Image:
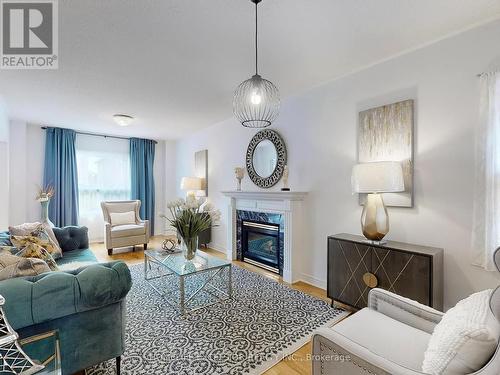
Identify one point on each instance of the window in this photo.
(486, 226)
(103, 175)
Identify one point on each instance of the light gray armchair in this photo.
(123, 234)
(389, 337)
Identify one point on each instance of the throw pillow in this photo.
(5, 239)
(52, 236)
(39, 237)
(11, 249)
(13, 266)
(122, 218)
(33, 250)
(23, 229)
(35, 229)
(465, 338)
(48, 238)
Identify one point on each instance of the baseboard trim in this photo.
(314, 281)
(305, 278)
(216, 247)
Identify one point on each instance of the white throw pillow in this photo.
(122, 218)
(465, 338)
(23, 229)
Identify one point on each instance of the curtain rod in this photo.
(99, 135)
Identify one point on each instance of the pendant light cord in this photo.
(256, 42)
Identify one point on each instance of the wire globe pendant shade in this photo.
(256, 101)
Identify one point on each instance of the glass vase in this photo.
(45, 213)
(189, 247)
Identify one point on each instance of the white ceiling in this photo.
(173, 64)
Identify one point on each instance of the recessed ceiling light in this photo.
(123, 120)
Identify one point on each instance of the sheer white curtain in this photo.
(486, 230)
(103, 175)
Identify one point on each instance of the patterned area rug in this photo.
(264, 322)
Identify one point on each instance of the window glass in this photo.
(103, 175)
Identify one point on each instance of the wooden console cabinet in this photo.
(355, 266)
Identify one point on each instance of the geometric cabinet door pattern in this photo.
(356, 266)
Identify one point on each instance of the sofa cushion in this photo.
(465, 338)
(80, 256)
(13, 266)
(122, 218)
(127, 230)
(72, 238)
(367, 327)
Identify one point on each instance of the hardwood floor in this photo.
(298, 363)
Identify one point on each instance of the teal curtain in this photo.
(142, 156)
(61, 172)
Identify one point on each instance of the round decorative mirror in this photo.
(266, 158)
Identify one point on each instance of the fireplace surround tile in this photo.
(263, 217)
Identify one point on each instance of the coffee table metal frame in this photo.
(207, 286)
(53, 362)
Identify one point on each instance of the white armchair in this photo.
(123, 232)
(389, 337)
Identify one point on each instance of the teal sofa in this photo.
(86, 305)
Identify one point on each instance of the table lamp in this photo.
(191, 185)
(373, 179)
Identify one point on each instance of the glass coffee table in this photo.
(44, 349)
(188, 285)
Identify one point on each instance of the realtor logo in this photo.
(29, 34)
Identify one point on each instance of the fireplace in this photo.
(261, 240)
(260, 244)
(271, 207)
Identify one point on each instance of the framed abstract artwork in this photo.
(201, 169)
(385, 133)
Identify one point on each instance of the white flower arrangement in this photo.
(190, 216)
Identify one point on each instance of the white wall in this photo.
(27, 148)
(319, 128)
(17, 162)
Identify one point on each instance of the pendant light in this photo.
(256, 101)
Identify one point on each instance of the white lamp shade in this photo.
(191, 183)
(378, 177)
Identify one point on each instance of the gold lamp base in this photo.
(374, 219)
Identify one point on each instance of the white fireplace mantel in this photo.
(267, 195)
(287, 203)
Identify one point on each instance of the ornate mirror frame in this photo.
(279, 144)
